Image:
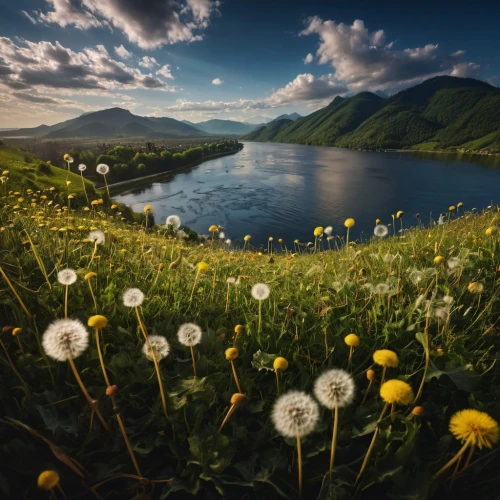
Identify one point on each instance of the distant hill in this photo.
(113, 122)
(441, 113)
(225, 127)
(291, 116)
(268, 132)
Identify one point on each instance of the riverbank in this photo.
(162, 175)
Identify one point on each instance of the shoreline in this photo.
(151, 177)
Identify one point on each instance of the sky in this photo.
(246, 60)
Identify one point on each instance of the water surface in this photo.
(285, 190)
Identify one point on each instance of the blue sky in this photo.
(231, 59)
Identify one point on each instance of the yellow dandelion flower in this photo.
(237, 399)
(399, 214)
(271, 238)
(370, 374)
(352, 340)
(439, 259)
(17, 331)
(238, 329)
(452, 208)
(491, 231)
(213, 228)
(377, 222)
(385, 357)
(475, 426)
(396, 392)
(247, 237)
(318, 231)
(48, 479)
(349, 223)
(148, 208)
(231, 353)
(202, 267)
(280, 363)
(90, 275)
(97, 321)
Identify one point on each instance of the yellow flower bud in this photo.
(280, 364)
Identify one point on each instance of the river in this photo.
(286, 190)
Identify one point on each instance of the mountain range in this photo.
(441, 113)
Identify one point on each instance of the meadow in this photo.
(138, 364)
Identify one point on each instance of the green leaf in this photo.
(464, 377)
(263, 360)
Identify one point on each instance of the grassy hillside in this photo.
(438, 317)
(440, 113)
(269, 132)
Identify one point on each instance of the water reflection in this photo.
(284, 190)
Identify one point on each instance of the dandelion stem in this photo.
(334, 438)
(66, 301)
(93, 253)
(393, 407)
(260, 317)
(277, 382)
(155, 361)
(226, 418)
(20, 346)
(383, 375)
(93, 296)
(427, 356)
(107, 188)
(14, 369)
(347, 240)
(86, 394)
(194, 360)
(367, 391)
(372, 444)
(453, 460)
(236, 377)
(299, 464)
(227, 299)
(84, 189)
(39, 261)
(349, 361)
(13, 290)
(194, 285)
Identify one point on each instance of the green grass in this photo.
(315, 301)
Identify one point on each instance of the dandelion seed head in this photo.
(453, 262)
(189, 334)
(231, 281)
(66, 277)
(382, 288)
(132, 297)
(475, 426)
(97, 237)
(295, 414)
(102, 169)
(475, 287)
(448, 300)
(328, 230)
(222, 235)
(159, 345)
(64, 339)
(260, 291)
(174, 221)
(381, 231)
(82, 167)
(334, 388)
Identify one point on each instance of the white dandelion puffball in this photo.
(222, 235)
(382, 288)
(334, 388)
(416, 277)
(66, 277)
(102, 169)
(97, 237)
(453, 262)
(132, 297)
(228, 242)
(231, 281)
(381, 231)
(64, 339)
(295, 414)
(189, 334)
(70, 159)
(82, 167)
(328, 230)
(260, 291)
(174, 221)
(448, 300)
(159, 346)
(181, 234)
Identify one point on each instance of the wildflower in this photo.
(189, 334)
(237, 399)
(231, 281)
(148, 208)
(438, 260)
(159, 345)
(231, 353)
(82, 167)
(90, 275)
(328, 230)
(132, 297)
(102, 169)
(370, 374)
(386, 358)
(260, 291)
(97, 321)
(475, 426)
(491, 231)
(453, 262)
(334, 388)
(96, 237)
(318, 231)
(475, 287)
(64, 339)
(377, 222)
(416, 276)
(174, 221)
(213, 228)
(352, 340)
(382, 289)
(452, 208)
(399, 214)
(349, 223)
(247, 237)
(202, 267)
(418, 411)
(396, 392)
(381, 231)
(280, 363)
(48, 479)
(271, 239)
(17, 331)
(66, 277)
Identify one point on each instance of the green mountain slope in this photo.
(268, 132)
(441, 113)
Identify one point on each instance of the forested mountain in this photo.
(225, 127)
(440, 113)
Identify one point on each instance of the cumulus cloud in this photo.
(183, 106)
(217, 81)
(165, 71)
(122, 52)
(52, 66)
(148, 62)
(308, 59)
(149, 24)
(363, 60)
(466, 70)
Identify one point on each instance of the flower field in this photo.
(135, 364)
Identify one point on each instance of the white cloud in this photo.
(217, 81)
(308, 59)
(122, 52)
(149, 24)
(148, 62)
(165, 71)
(466, 70)
(363, 61)
(29, 65)
(31, 18)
